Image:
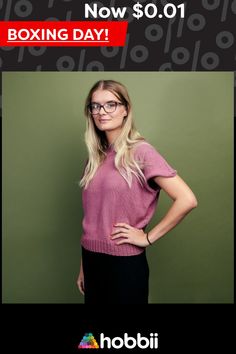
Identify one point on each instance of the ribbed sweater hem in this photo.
(103, 246)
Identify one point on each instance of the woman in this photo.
(121, 186)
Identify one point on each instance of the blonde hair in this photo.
(97, 143)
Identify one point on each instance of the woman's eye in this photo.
(110, 105)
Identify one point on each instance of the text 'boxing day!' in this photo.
(60, 33)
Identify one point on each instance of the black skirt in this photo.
(115, 279)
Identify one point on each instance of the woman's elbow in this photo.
(192, 202)
(189, 201)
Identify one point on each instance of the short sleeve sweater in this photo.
(108, 200)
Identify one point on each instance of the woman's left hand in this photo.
(130, 235)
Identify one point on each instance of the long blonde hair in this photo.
(97, 143)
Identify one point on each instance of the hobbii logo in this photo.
(127, 341)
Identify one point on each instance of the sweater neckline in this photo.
(110, 148)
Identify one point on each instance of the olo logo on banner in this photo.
(140, 341)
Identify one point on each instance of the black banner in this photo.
(204, 40)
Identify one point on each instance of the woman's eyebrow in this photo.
(104, 102)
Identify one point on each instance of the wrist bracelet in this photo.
(148, 239)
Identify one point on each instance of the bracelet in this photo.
(148, 239)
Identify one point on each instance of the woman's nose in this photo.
(102, 108)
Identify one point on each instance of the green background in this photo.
(188, 117)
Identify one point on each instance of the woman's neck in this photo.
(112, 136)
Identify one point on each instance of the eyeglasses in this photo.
(109, 107)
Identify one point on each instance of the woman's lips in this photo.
(104, 120)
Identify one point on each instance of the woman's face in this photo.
(112, 115)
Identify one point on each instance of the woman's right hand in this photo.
(80, 280)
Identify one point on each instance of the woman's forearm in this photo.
(179, 209)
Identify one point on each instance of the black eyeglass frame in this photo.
(103, 106)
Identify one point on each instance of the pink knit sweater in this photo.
(109, 200)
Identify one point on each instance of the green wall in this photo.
(188, 117)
